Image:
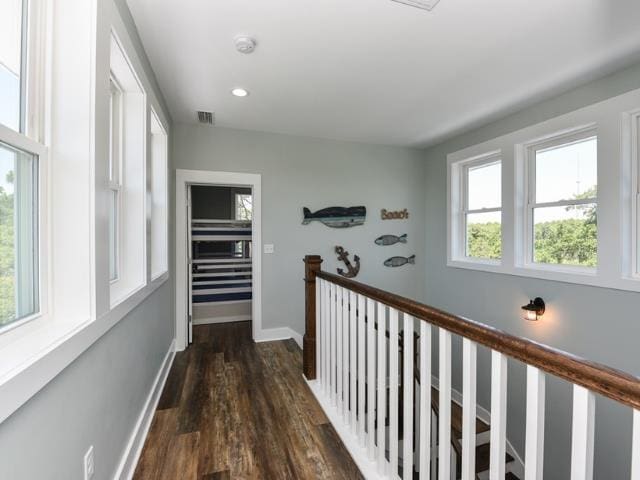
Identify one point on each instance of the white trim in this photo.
(350, 440)
(131, 454)
(229, 319)
(279, 333)
(184, 178)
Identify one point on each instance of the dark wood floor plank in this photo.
(172, 392)
(242, 410)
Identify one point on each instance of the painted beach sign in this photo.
(336, 217)
(385, 240)
(399, 261)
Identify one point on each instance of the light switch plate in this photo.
(269, 248)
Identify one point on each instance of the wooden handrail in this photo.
(614, 384)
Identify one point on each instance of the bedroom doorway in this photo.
(218, 260)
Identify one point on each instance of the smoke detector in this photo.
(424, 4)
(245, 44)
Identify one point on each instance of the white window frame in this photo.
(528, 179)
(458, 173)
(159, 156)
(30, 138)
(116, 136)
(631, 167)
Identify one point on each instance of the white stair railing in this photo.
(361, 362)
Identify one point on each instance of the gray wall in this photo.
(304, 172)
(596, 323)
(97, 399)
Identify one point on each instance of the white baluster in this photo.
(635, 447)
(318, 333)
(444, 414)
(371, 377)
(584, 405)
(534, 449)
(340, 368)
(393, 392)
(345, 354)
(498, 415)
(353, 362)
(326, 332)
(407, 438)
(332, 367)
(382, 388)
(425, 400)
(469, 359)
(361, 393)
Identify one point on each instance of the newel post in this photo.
(311, 267)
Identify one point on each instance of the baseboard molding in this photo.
(280, 333)
(133, 450)
(212, 320)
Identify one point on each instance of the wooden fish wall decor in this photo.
(336, 217)
(343, 256)
(397, 215)
(400, 261)
(385, 240)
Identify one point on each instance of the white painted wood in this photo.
(340, 358)
(408, 400)
(371, 377)
(319, 330)
(534, 446)
(382, 387)
(345, 353)
(361, 369)
(469, 370)
(444, 414)
(184, 178)
(425, 400)
(326, 300)
(584, 406)
(635, 447)
(498, 415)
(334, 343)
(393, 392)
(353, 371)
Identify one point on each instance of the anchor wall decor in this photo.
(343, 256)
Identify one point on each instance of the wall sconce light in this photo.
(534, 309)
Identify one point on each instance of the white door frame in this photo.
(185, 178)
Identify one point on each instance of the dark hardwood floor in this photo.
(232, 408)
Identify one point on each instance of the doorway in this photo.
(218, 262)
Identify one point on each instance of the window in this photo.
(561, 213)
(477, 208)
(159, 250)
(127, 178)
(20, 168)
(115, 183)
(243, 206)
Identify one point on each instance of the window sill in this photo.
(37, 352)
(567, 274)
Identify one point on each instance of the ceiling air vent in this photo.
(206, 118)
(424, 4)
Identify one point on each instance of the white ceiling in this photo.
(375, 70)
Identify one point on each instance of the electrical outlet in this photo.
(89, 465)
(269, 248)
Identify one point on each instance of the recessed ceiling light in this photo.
(239, 92)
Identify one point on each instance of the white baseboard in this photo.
(132, 452)
(280, 333)
(212, 320)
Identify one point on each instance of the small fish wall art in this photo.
(385, 240)
(343, 256)
(395, 215)
(336, 217)
(399, 261)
